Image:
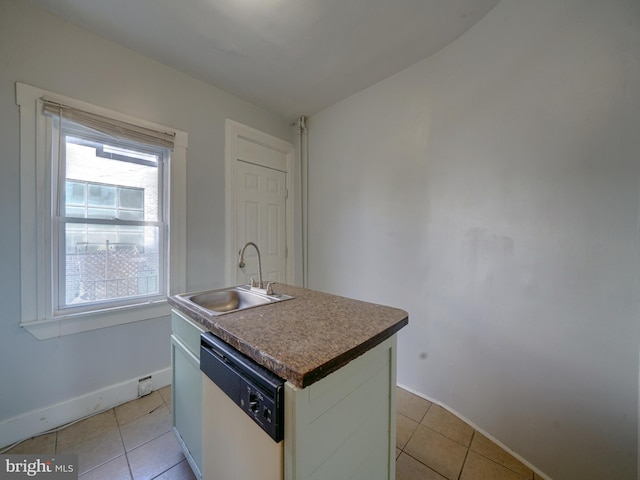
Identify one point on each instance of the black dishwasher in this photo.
(257, 391)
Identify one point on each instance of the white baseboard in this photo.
(41, 420)
(475, 427)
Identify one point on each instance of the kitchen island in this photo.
(338, 357)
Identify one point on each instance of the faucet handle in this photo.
(270, 288)
(251, 282)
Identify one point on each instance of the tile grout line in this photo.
(503, 466)
(124, 447)
(408, 439)
(164, 404)
(424, 464)
(466, 455)
(508, 467)
(107, 461)
(493, 460)
(418, 423)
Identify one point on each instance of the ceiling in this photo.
(290, 57)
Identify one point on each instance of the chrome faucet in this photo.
(241, 263)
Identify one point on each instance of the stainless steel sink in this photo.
(232, 299)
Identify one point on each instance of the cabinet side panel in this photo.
(344, 425)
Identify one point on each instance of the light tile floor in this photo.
(134, 441)
(130, 441)
(433, 444)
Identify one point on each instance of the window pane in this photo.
(104, 180)
(131, 198)
(130, 215)
(129, 201)
(103, 265)
(93, 228)
(127, 180)
(74, 238)
(132, 236)
(101, 196)
(75, 193)
(101, 213)
(78, 212)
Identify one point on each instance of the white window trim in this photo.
(36, 282)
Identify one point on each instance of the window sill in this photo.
(83, 322)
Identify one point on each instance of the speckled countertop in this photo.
(306, 338)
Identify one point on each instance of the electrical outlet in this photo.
(145, 386)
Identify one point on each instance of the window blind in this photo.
(110, 126)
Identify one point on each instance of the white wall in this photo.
(492, 190)
(44, 51)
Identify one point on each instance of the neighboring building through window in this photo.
(120, 257)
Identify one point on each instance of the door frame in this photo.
(233, 132)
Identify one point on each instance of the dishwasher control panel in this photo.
(257, 391)
(258, 406)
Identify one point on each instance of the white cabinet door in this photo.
(187, 388)
(187, 404)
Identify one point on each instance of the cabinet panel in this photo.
(187, 403)
(343, 426)
(187, 331)
(187, 388)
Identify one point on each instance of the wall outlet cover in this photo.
(145, 386)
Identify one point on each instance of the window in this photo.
(100, 216)
(110, 216)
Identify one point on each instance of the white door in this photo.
(261, 218)
(259, 204)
